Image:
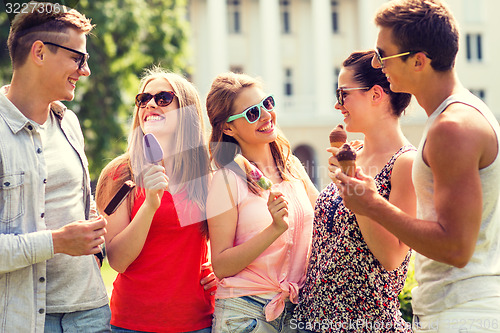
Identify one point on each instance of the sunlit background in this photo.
(295, 46)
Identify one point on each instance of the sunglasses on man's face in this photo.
(341, 95)
(84, 57)
(252, 113)
(379, 62)
(162, 99)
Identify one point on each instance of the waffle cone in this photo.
(336, 144)
(348, 167)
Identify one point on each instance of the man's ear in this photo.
(421, 61)
(228, 130)
(37, 52)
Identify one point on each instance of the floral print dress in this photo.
(346, 288)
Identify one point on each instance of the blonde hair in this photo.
(191, 168)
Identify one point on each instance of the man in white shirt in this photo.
(456, 174)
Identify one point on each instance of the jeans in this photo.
(116, 329)
(481, 315)
(94, 320)
(246, 314)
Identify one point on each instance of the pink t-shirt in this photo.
(280, 270)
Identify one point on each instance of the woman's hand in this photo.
(356, 144)
(333, 163)
(208, 281)
(155, 183)
(278, 207)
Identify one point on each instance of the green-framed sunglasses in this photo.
(252, 113)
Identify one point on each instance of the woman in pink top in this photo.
(260, 239)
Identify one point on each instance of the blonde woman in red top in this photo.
(157, 239)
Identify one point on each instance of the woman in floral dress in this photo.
(357, 268)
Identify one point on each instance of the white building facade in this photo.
(297, 48)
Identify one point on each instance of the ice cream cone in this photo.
(336, 144)
(348, 167)
(338, 136)
(347, 159)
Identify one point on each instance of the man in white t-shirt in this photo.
(456, 174)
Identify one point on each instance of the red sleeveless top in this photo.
(160, 291)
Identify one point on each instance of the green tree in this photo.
(405, 294)
(129, 35)
(5, 68)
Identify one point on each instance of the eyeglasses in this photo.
(380, 61)
(163, 98)
(340, 93)
(252, 113)
(84, 57)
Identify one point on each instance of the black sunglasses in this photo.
(163, 98)
(84, 57)
(340, 93)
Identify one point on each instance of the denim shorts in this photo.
(481, 315)
(93, 320)
(246, 315)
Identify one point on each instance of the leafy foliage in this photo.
(5, 68)
(405, 294)
(129, 35)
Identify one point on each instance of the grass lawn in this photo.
(108, 275)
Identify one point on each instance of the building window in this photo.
(234, 16)
(479, 93)
(336, 72)
(236, 69)
(306, 154)
(288, 82)
(474, 47)
(335, 17)
(285, 16)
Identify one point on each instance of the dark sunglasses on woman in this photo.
(162, 99)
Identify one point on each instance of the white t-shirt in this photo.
(442, 286)
(67, 291)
